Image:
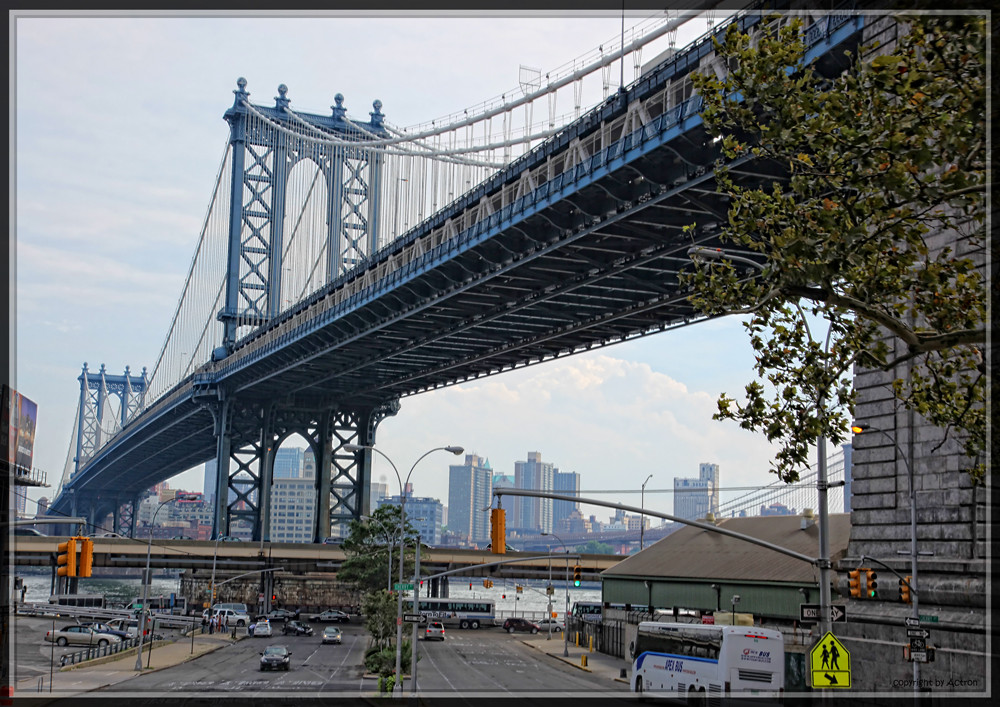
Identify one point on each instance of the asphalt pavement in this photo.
(101, 672)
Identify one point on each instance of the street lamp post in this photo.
(145, 578)
(566, 612)
(823, 561)
(397, 688)
(642, 516)
(914, 592)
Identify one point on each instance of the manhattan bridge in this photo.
(344, 263)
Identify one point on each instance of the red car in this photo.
(512, 625)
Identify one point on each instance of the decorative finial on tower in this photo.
(280, 101)
(126, 371)
(377, 115)
(102, 368)
(241, 94)
(338, 110)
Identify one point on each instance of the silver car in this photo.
(80, 636)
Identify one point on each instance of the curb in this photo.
(557, 657)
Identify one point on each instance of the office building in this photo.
(695, 498)
(426, 515)
(288, 463)
(470, 488)
(533, 515)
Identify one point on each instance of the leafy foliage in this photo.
(379, 608)
(876, 163)
(368, 547)
(597, 548)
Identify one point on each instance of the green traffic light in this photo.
(576, 583)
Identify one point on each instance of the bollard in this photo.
(578, 638)
(591, 644)
(583, 660)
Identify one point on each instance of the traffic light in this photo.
(904, 590)
(498, 531)
(577, 578)
(486, 583)
(66, 559)
(86, 557)
(871, 585)
(854, 582)
(274, 598)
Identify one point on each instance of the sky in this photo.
(119, 136)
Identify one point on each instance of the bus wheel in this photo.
(463, 624)
(475, 624)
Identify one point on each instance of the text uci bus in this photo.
(463, 613)
(705, 663)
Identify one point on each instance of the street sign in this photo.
(918, 656)
(917, 633)
(918, 644)
(912, 621)
(809, 613)
(830, 663)
(413, 618)
(403, 586)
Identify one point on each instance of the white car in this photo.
(556, 625)
(263, 629)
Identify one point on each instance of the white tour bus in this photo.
(463, 613)
(706, 663)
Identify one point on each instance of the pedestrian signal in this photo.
(854, 582)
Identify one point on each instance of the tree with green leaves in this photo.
(368, 547)
(596, 548)
(876, 228)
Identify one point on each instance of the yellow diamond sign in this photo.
(829, 663)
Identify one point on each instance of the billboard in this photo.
(23, 416)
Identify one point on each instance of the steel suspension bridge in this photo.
(345, 263)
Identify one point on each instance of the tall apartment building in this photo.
(470, 489)
(533, 515)
(566, 483)
(694, 498)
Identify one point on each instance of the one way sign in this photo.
(810, 613)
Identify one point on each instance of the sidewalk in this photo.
(112, 669)
(599, 664)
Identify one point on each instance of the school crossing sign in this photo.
(830, 663)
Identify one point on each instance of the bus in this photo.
(587, 610)
(463, 613)
(173, 604)
(90, 601)
(706, 663)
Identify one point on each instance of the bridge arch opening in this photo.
(306, 232)
(294, 491)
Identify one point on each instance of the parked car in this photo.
(262, 628)
(296, 628)
(280, 615)
(333, 541)
(331, 615)
(107, 628)
(332, 634)
(556, 624)
(80, 636)
(512, 625)
(275, 658)
(434, 630)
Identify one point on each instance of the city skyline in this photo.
(611, 414)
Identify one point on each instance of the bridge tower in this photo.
(97, 393)
(265, 148)
(267, 143)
